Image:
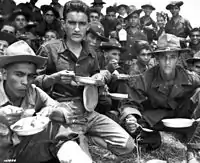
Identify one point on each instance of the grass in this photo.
(171, 150)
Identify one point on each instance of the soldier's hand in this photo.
(131, 123)
(11, 113)
(63, 76)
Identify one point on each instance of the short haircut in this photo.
(75, 5)
(194, 30)
(94, 10)
(110, 9)
(54, 31)
(139, 46)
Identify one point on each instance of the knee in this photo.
(130, 145)
(123, 150)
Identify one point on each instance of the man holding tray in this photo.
(166, 91)
(73, 55)
(18, 97)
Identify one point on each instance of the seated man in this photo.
(94, 14)
(166, 91)
(73, 55)
(8, 27)
(19, 94)
(194, 63)
(112, 51)
(194, 40)
(94, 36)
(144, 59)
(5, 40)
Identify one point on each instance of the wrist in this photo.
(48, 81)
(54, 78)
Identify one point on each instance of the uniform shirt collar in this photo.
(87, 50)
(4, 98)
(180, 79)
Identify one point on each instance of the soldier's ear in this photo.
(4, 74)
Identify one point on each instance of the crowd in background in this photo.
(155, 62)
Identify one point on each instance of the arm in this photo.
(188, 27)
(50, 76)
(44, 104)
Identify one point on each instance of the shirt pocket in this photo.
(64, 63)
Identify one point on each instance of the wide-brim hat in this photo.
(46, 8)
(148, 5)
(174, 3)
(19, 52)
(90, 97)
(196, 58)
(169, 43)
(98, 2)
(17, 12)
(112, 44)
(122, 5)
(10, 38)
(133, 11)
(97, 29)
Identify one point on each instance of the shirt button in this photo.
(77, 65)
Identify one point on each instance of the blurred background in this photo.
(190, 10)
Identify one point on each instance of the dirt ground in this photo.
(171, 150)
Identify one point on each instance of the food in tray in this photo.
(18, 127)
(29, 125)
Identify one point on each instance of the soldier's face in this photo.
(20, 21)
(18, 77)
(113, 54)
(122, 10)
(8, 29)
(196, 67)
(3, 47)
(161, 21)
(50, 36)
(144, 56)
(94, 16)
(175, 10)
(167, 62)
(147, 11)
(111, 16)
(76, 24)
(195, 37)
(49, 17)
(134, 20)
(93, 40)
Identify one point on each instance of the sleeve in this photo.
(96, 67)
(136, 97)
(43, 101)
(47, 69)
(188, 27)
(194, 78)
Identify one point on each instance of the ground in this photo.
(171, 150)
